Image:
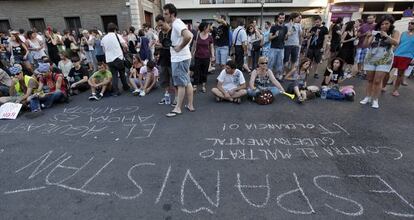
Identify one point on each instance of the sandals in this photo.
(203, 90)
(188, 108)
(237, 100)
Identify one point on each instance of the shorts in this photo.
(100, 58)
(165, 77)
(291, 54)
(380, 68)
(222, 53)
(401, 63)
(360, 55)
(180, 74)
(315, 55)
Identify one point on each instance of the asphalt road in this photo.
(121, 158)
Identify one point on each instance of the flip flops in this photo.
(173, 114)
(188, 108)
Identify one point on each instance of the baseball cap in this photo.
(15, 69)
(43, 68)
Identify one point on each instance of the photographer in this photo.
(163, 45)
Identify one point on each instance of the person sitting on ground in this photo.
(262, 79)
(100, 81)
(5, 83)
(137, 64)
(52, 84)
(147, 78)
(297, 78)
(334, 74)
(22, 87)
(78, 77)
(231, 84)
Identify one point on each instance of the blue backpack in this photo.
(335, 94)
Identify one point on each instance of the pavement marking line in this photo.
(24, 190)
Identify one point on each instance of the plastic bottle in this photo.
(323, 93)
(167, 99)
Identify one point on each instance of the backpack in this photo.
(335, 94)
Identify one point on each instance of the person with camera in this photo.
(221, 41)
(378, 62)
(163, 46)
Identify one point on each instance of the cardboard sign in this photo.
(10, 110)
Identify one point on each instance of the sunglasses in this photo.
(264, 63)
(412, 23)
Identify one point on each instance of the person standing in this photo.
(316, 42)
(221, 41)
(347, 51)
(114, 45)
(362, 48)
(255, 42)
(203, 51)
(180, 59)
(293, 41)
(336, 33)
(378, 62)
(240, 44)
(404, 55)
(164, 61)
(266, 41)
(277, 37)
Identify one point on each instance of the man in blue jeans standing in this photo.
(221, 41)
(277, 39)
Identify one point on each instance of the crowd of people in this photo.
(42, 69)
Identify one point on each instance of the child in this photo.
(100, 81)
(298, 78)
(334, 74)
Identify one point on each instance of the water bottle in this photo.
(323, 93)
(167, 99)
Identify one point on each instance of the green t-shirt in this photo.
(101, 75)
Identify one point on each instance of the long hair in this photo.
(349, 25)
(303, 61)
(388, 18)
(341, 61)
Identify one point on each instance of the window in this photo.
(401, 6)
(38, 23)
(106, 19)
(4, 26)
(374, 7)
(73, 23)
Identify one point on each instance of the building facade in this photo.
(76, 14)
(192, 11)
(355, 9)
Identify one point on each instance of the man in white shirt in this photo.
(180, 59)
(240, 44)
(111, 44)
(231, 84)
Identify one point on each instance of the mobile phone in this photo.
(375, 32)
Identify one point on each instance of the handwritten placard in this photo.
(10, 110)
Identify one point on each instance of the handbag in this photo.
(265, 97)
(256, 46)
(233, 45)
(127, 62)
(192, 63)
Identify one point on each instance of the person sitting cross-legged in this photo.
(100, 82)
(263, 79)
(231, 84)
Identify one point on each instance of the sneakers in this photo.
(366, 100)
(142, 93)
(136, 92)
(162, 102)
(95, 97)
(375, 104)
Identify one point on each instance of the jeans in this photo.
(255, 92)
(117, 67)
(276, 60)
(239, 57)
(55, 97)
(222, 54)
(201, 70)
(91, 58)
(34, 104)
(255, 58)
(4, 90)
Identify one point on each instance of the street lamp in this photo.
(262, 2)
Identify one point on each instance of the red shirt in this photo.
(51, 80)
